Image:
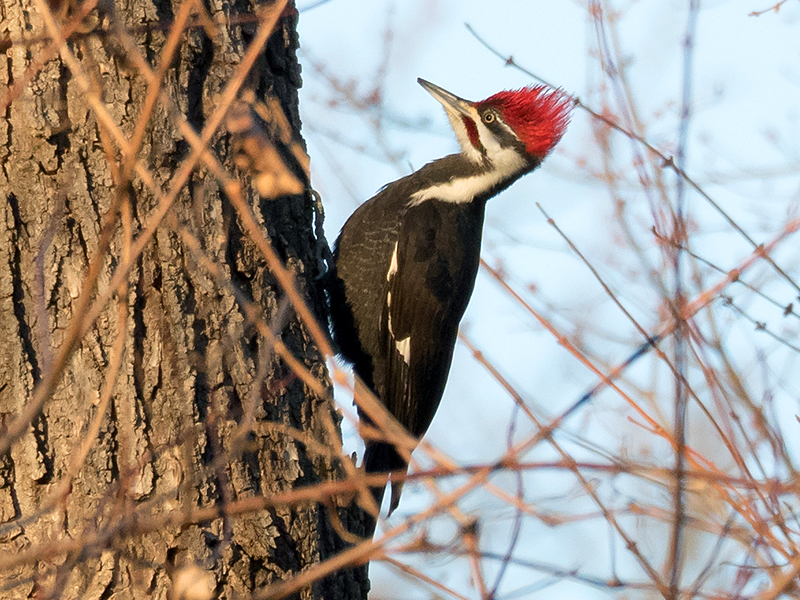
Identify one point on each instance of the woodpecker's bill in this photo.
(406, 260)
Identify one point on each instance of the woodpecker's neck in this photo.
(459, 178)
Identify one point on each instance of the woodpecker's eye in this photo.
(488, 117)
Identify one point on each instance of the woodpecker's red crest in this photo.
(537, 114)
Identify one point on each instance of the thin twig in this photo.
(666, 161)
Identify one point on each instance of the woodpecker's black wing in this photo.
(429, 283)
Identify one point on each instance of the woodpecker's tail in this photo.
(381, 457)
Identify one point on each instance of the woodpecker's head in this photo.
(508, 127)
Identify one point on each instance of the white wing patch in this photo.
(389, 313)
(393, 264)
(404, 348)
(389, 275)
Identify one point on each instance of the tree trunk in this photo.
(133, 441)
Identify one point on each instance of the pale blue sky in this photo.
(744, 150)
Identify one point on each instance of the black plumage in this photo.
(407, 259)
(438, 254)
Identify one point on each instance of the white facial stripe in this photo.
(457, 123)
(505, 163)
(489, 140)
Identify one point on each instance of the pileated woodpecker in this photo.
(406, 260)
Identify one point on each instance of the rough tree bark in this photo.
(193, 365)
